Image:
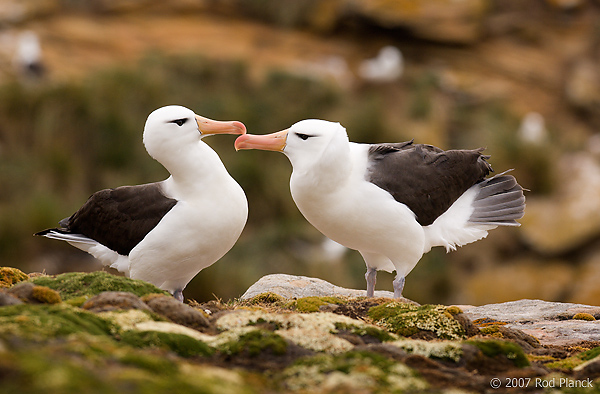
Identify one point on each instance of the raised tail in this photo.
(500, 202)
(493, 202)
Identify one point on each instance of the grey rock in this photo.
(550, 322)
(23, 291)
(8, 299)
(178, 312)
(114, 301)
(290, 286)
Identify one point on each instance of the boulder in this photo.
(551, 323)
(113, 301)
(177, 312)
(290, 286)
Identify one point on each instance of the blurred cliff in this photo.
(77, 80)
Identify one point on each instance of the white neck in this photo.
(194, 168)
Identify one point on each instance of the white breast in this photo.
(206, 227)
(357, 213)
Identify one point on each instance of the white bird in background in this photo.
(388, 66)
(533, 129)
(28, 55)
(165, 232)
(391, 202)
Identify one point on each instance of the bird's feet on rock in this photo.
(398, 286)
(178, 294)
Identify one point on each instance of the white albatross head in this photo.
(168, 129)
(307, 143)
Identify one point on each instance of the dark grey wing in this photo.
(425, 178)
(119, 218)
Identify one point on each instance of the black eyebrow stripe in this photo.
(182, 120)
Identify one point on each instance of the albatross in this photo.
(392, 202)
(165, 232)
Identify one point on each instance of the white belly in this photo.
(363, 217)
(191, 237)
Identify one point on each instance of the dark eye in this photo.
(179, 122)
(303, 137)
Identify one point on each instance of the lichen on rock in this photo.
(50, 321)
(9, 276)
(496, 347)
(441, 350)
(408, 320)
(314, 331)
(78, 284)
(351, 372)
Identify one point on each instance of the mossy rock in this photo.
(407, 320)
(183, 345)
(584, 316)
(255, 342)
(450, 351)
(569, 363)
(9, 276)
(266, 298)
(59, 370)
(50, 321)
(366, 331)
(46, 295)
(312, 304)
(354, 371)
(80, 284)
(492, 348)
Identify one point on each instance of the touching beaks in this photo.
(274, 141)
(208, 126)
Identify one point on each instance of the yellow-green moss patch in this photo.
(9, 276)
(354, 372)
(255, 342)
(493, 347)
(408, 319)
(312, 304)
(583, 316)
(266, 298)
(46, 295)
(441, 350)
(454, 310)
(183, 345)
(572, 362)
(78, 284)
(49, 321)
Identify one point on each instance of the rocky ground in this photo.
(97, 333)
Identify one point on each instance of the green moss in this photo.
(454, 310)
(255, 342)
(312, 304)
(49, 321)
(149, 362)
(575, 360)
(351, 372)
(41, 371)
(408, 319)
(46, 295)
(80, 284)
(60, 370)
(183, 345)
(266, 298)
(374, 332)
(583, 316)
(493, 348)
(9, 276)
(491, 330)
(440, 350)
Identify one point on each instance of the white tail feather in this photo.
(105, 255)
